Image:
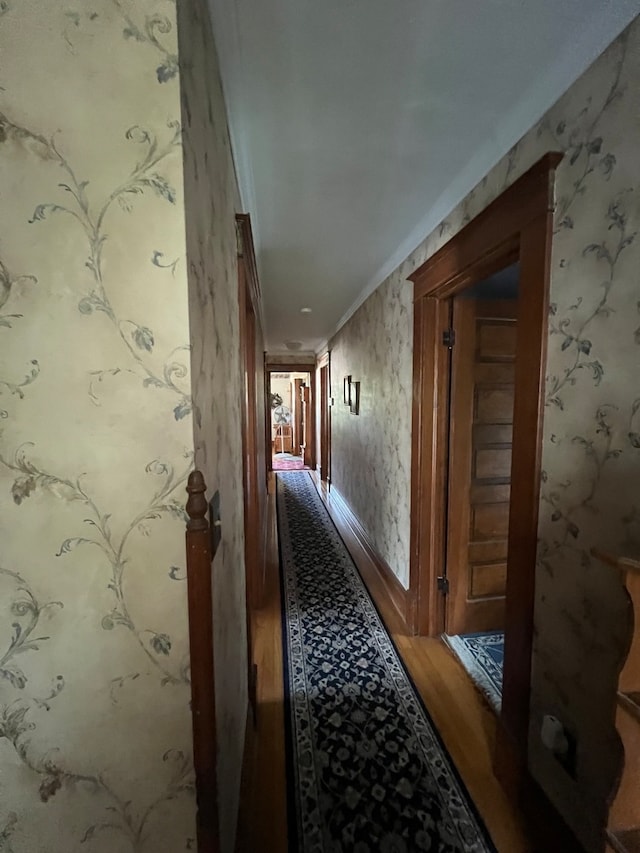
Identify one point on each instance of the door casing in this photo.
(254, 490)
(516, 226)
(297, 416)
(289, 367)
(325, 417)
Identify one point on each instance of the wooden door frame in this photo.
(324, 398)
(249, 303)
(515, 226)
(297, 418)
(289, 367)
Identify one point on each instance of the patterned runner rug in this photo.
(482, 655)
(287, 462)
(367, 771)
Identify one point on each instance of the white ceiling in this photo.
(358, 124)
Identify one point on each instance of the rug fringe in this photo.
(475, 671)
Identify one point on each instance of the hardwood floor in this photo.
(464, 721)
(262, 821)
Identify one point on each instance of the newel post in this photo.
(203, 700)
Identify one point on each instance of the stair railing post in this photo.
(203, 702)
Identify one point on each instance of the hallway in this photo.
(195, 194)
(465, 724)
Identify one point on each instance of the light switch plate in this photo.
(215, 524)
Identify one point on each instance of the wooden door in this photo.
(307, 422)
(297, 418)
(480, 437)
(325, 423)
(252, 523)
(254, 562)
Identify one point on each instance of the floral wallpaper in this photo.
(591, 456)
(371, 452)
(211, 202)
(97, 428)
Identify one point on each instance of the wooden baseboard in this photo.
(547, 829)
(264, 542)
(509, 757)
(375, 571)
(247, 782)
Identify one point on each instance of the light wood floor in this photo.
(464, 721)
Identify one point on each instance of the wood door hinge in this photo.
(443, 584)
(449, 338)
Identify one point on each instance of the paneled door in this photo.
(307, 420)
(516, 227)
(297, 417)
(481, 428)
(325, 421)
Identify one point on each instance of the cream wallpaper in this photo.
(211, 200)
(96, 442)
(371, 452)
(97, 425)
(591, 455)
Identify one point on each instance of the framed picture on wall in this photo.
(347, 390)
(354, 398)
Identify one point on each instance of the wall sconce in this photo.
(354, 405)
(347, 390)
(352, 395)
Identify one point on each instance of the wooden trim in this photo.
(297, 419)
(323, 465)
(250, 306)
(247, 321)
(365, 555)
(246, 251)
(203, 694)
(251, 478)
(323, 372)
(460, 460)
(516, 225)
(310, 449)
(492, 236)
(429, 465)
(549, 832)
(268, 430)
(526, 457)
(246, 778)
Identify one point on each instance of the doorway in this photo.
(324, 418)
(253, 448)
(516, 228)
(291, 419)
(482, 351)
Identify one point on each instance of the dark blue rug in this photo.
(482, 655)
(367, 771)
